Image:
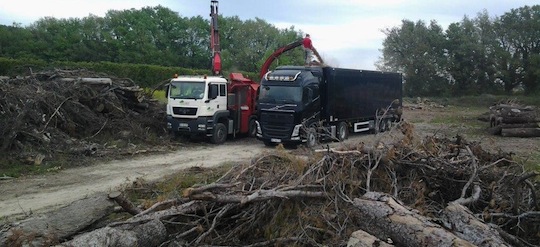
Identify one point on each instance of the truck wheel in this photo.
(252, 132)
(343, 131)
(311, 136)
(220, 134)
(383, 125)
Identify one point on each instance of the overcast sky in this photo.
(346, 33)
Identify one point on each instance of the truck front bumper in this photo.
(195, 126)
(293, 138)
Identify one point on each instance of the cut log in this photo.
(384, 217)
(521, 132)
(60, 224)
(497, 129)
(364, 239)
(518, 126)
(127, 205)
(466, 226)
(520, 119)
(150, 233)
(96, 81)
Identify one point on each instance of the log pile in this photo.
(68, 111)
(408, 192)
(514, 120)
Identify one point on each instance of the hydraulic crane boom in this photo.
(281, 50)
(214, 38)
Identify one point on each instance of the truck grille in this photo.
(277, 125)
(184, 111)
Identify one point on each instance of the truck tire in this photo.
(252, 130)
(220, 134)
(383, 125)
(342, 131)
(311, 137)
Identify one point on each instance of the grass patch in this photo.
(16, 168)
(532, 162)
(172, 186)
(466, 117)
(484, 100)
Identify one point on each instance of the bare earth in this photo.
(50, 191)
(42, 193)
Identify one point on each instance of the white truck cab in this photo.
(195, 104)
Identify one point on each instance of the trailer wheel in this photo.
(311, 137)
(220, 134)
(252, 128)
(343, 131)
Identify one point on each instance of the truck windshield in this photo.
(186, 90)
(280, 94)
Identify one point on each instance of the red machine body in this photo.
(214, 38)
(281, 50)
(243, 101)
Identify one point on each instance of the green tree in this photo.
(471, 59)
(519, 34)
(417, 51)
(16, 42)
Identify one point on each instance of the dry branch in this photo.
(259, 195)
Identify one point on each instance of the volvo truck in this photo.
(304, 104)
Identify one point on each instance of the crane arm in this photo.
(281, 50)
(214, 38)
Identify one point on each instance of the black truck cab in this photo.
(289, 99)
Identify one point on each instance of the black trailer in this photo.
(300, 104)
(357, 96)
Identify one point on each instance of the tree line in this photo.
(476, 55)
(150, 35)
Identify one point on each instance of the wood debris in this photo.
(412, 192)
(514, 120)
(70, 111)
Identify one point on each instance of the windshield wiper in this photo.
(281, 106)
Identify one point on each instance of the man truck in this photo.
(301, 104)
(211, 106)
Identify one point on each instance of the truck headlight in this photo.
(296, 130)
(202, 126)
(259, 130)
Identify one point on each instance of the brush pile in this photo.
(68, 111)
(409, 191)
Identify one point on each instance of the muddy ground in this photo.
(29, 195)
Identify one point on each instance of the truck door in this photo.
(311, 101)
(219, 103)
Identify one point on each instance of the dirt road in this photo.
(46, 192)
(49, 191)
